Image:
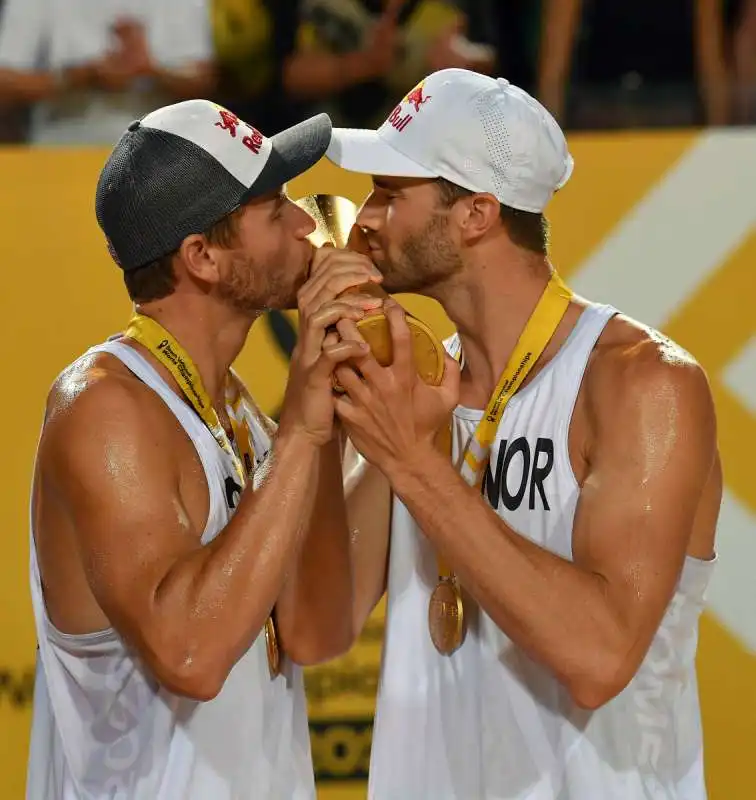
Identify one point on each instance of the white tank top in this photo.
(488, 722)
(103, 728)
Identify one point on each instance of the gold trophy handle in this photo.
(335, 219)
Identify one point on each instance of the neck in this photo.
(210, 333)
(490, 304)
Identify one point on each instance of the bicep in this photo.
(655, 450)
(22, 34)
(120, 487)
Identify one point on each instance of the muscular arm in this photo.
(592, 620)
(190, 611)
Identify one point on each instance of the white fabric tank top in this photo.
(488, 722)
(103, 728)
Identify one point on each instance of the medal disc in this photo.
(428, 350)
(271, 643)
(446, 617)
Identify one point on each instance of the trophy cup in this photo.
(335, 220)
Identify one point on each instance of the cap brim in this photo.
(295, 150)
(365, 151)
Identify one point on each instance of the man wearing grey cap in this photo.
(555, 498)
(178, 544)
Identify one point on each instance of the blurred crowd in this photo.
(78, 71)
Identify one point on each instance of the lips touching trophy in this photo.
(335, 220)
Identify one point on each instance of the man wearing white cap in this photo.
(545, 568)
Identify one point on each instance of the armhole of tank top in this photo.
(143, 370)
(584, 343)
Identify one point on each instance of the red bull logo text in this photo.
(230, 122)
(399, 120)
(416, 99)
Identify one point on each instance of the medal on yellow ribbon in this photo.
(171, 354)
(446, 613)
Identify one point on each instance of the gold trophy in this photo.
(335, 220)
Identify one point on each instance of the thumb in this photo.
(450, 381)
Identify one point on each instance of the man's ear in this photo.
(482, 214)
(199, 259)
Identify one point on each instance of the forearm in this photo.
(312, 75)
(713, 72)
(368, 501)
(552, 609)
(26, 88)
(312, 611)
(213, 603)
(558, 32)
(196, 80)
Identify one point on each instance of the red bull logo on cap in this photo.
(417, 99)
(230, 122)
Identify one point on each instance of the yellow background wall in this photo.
(662, 225)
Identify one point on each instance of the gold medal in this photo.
(429, 351)
(446, 617)
(271, 643)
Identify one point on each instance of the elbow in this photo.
(594, 685)
(183, 673)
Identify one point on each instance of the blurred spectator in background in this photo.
(87, 69)
(408, 40)
(254, 44)
(645, 63)
(278, 58)
(745, 63)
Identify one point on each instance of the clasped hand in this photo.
(389, 413)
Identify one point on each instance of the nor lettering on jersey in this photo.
(523, 467)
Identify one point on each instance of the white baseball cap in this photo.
(183, 167)
(478, 132)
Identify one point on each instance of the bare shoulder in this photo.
(637, 365)
(97, 402)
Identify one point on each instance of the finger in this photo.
(314, 332)
(348, 330)
(451, 380)
(335, 355)
(331, 338)
(347, 412)
(342, 284)
(328, 257)
(319, 257)
(353, 385)
(375, 375)
(358, 241)
(331, 313)
(403, 362)
(333, 281)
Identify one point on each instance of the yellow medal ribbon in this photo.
(176, 360)
(163, 346)
(530, 346)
